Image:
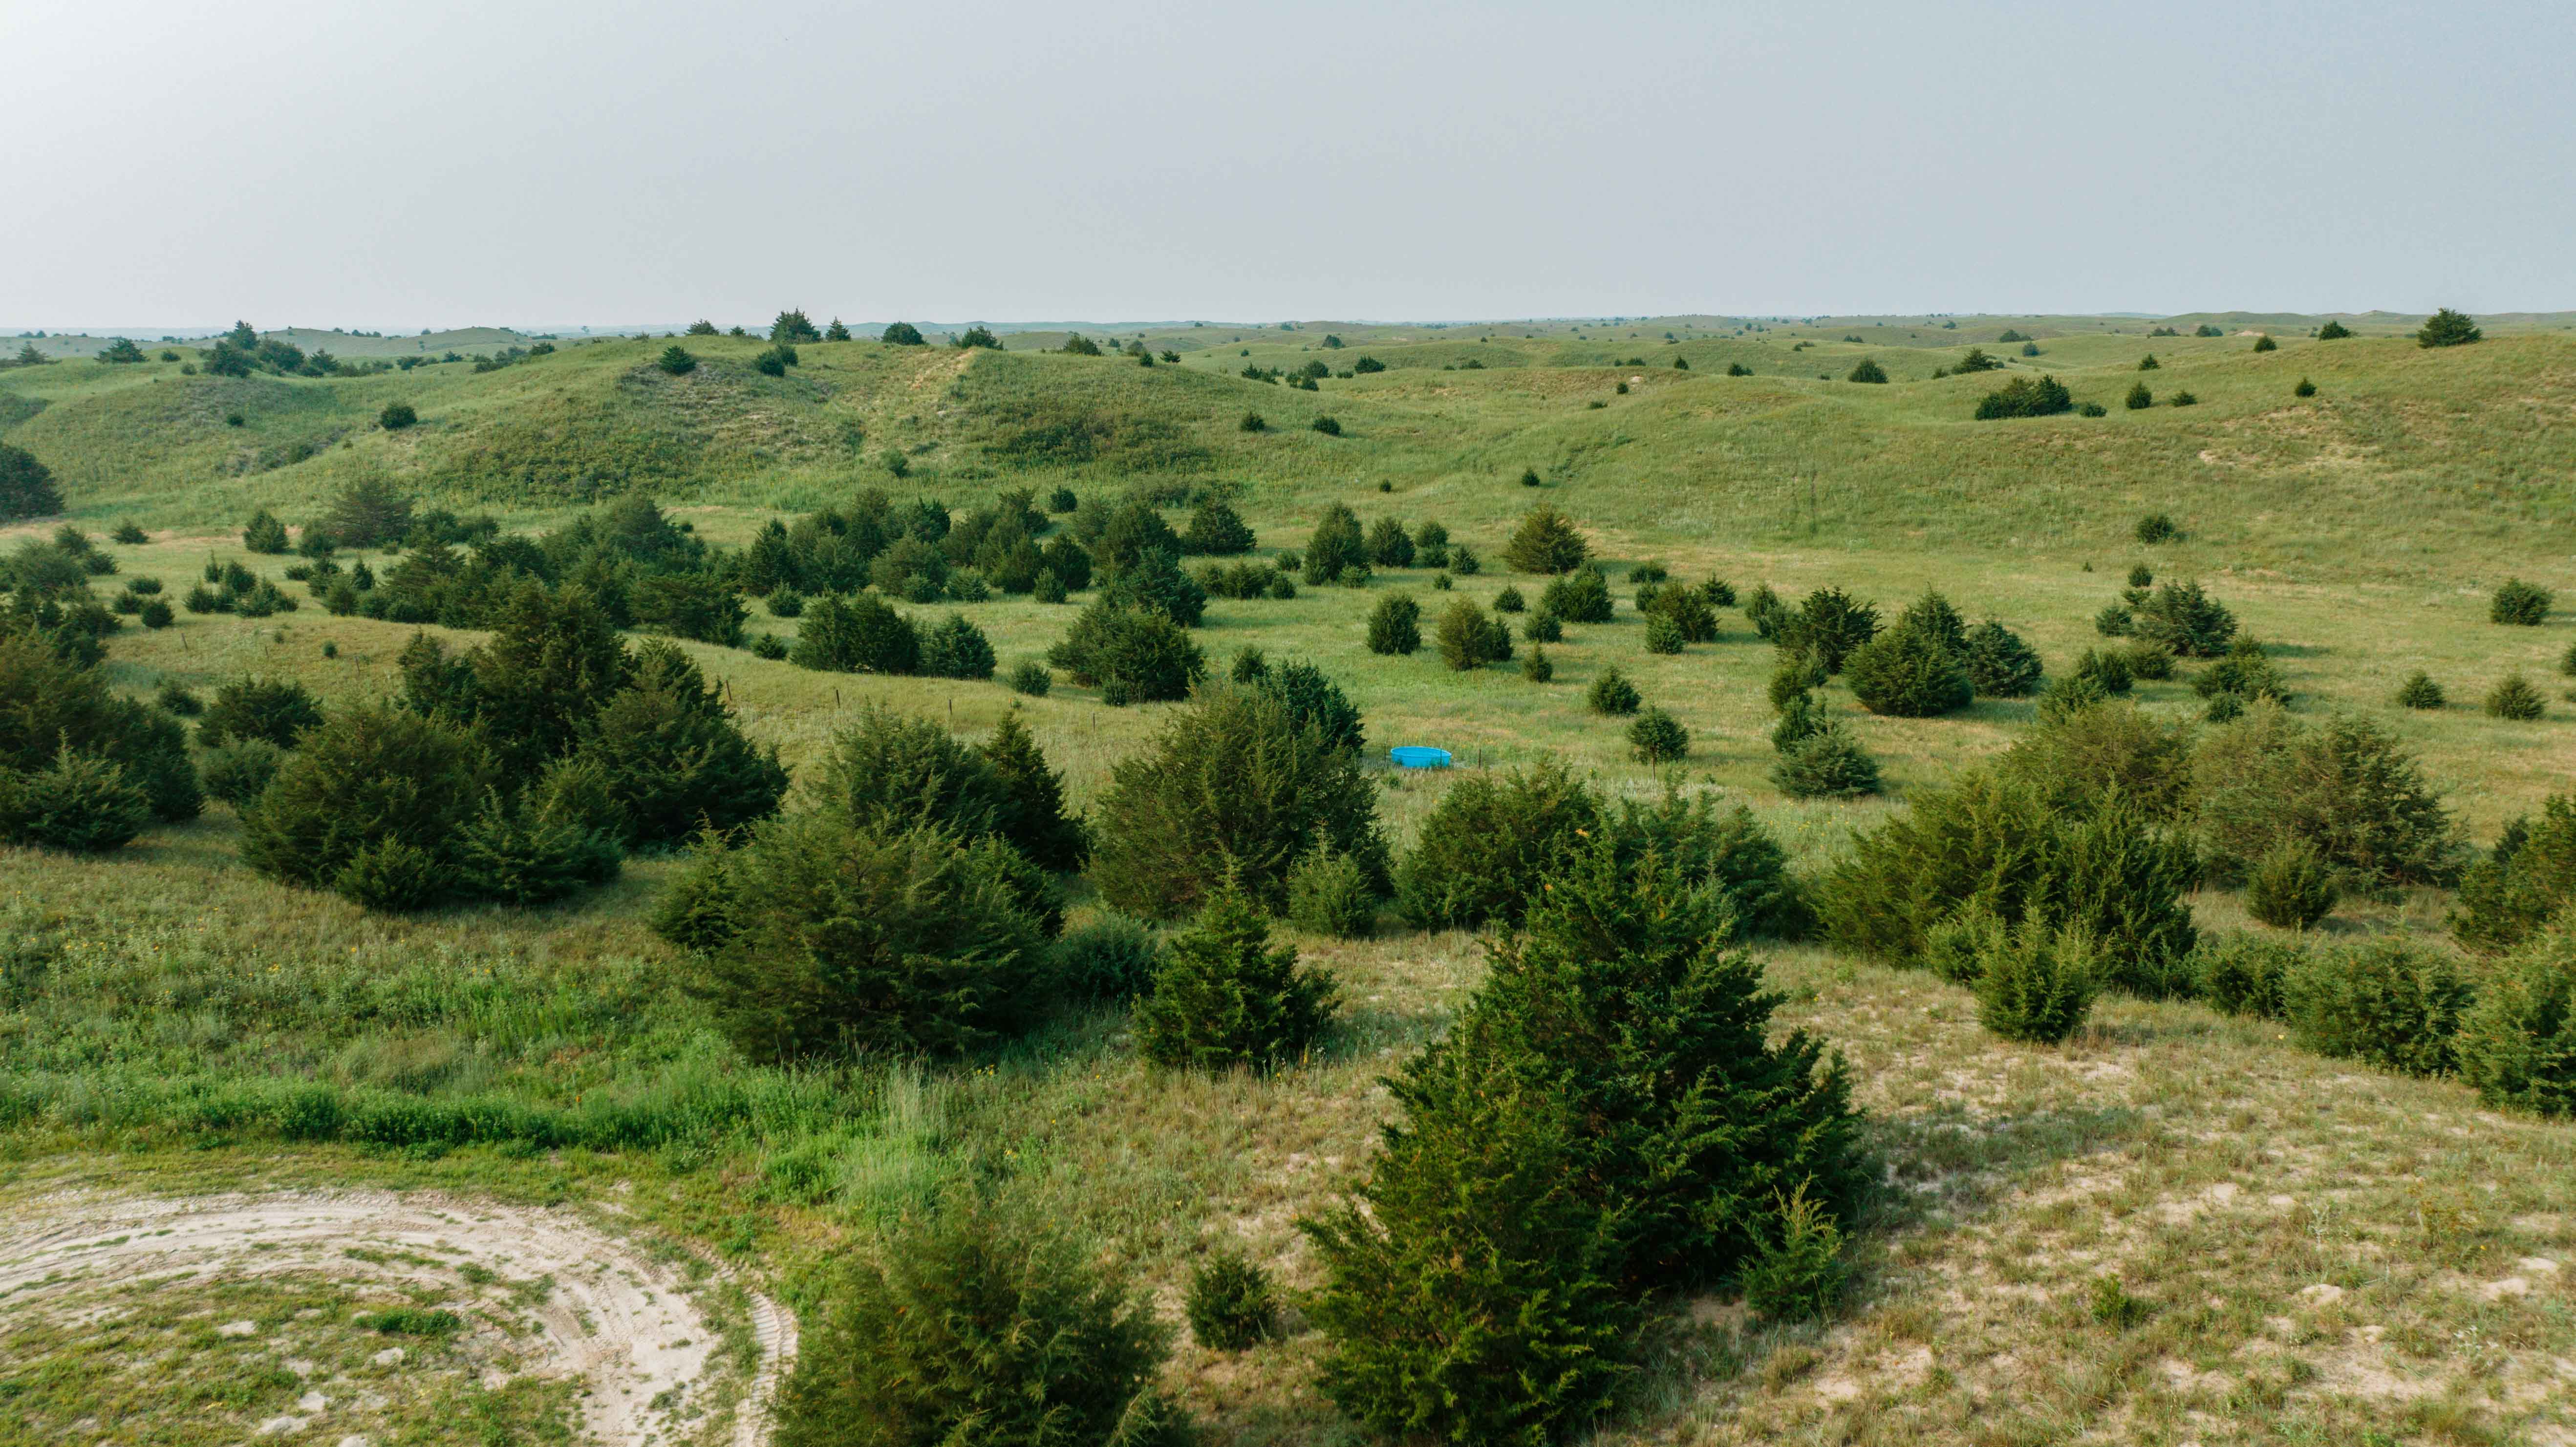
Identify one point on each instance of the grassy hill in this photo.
(2325, 1251)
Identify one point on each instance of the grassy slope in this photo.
(2189, 1154)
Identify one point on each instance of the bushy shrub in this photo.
(829, 932)
(1656, 737)
(240, 770)
(1545, 542)
(2106, 670)
(1133, 655)
(2246, 672)
(2529, 876)
(671, 758)
(1537, 667)
(1688, 610)
(1828, 762)
(1510, 601)
(1663, 635)
(2290, 888)
(394, 786)
(2243, 974)
(540, 844)
(2155, 528)
(969, 1327)
(265, 534)
(1330, 894)
(1542, 627)
(1110, 960)
(2186, 620)
(2024, 397)
(1611, 693)
(2514, 698)
(1794, 672)
(1468, 637)
(676, 360)
(1223, 998)
(1394, 626)
(1489, 843)
(273, 711)
(1764, 610)
(2421, 692)
(1553, 1159)
(2348, 789)
(2080, 759)
(1216, 528)
(1315, 702)
(1829, 624)
(1910, 671)
(1233, 787)
(1797, 1271)
(2516, 1045)
(2447, 328)
(79, 803)
(1581, 596)
(27, 487)
(2035, 982)
(1867, 370)
(1231, 1305)
(396, 416)
(1389, 545)
(1724, 851)
(2384, 1002)
(2333, 331)
(956, 648)
(49, 703)
(1337, 547)
(1996, 843)
(2115, 621)
(2148, 662)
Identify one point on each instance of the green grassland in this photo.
(2327, 1251)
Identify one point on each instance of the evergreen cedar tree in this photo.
(2023, 397)
(2509, 896)
(836, 332)
(1868, 370)
(1395, 625)
(1545, 542)
(1469, 637)
(1581, 596)
(1338, 548)
(2333, 331)
(1607, 1118)
(1223, 998)
(901, 334)
(1230, 794)
(2522, 604)
(1829, 624)
(676, 360)
(792, 327)
(81, 766)
(978, 336)
(966, 1326)
(26, 486)
(2447, 328)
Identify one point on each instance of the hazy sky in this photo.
(453, 162)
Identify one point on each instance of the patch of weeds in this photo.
(2113, 1306)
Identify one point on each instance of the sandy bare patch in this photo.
(631, 1328)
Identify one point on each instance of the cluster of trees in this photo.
(82, 768)
(242, 352)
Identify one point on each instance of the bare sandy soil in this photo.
(643, 1335)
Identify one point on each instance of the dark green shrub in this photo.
(1537, 667)
(1110, 960)
(1032, 815)
(1232, 788)
(697, 606)
(786, 603)
(2514, 698)
(2264, 343)
(1867, 370)
(1431, 544)
(1132, 655)
(175, 698)
(1316, 702)
(1468, 637)
(1764, 610)
(2290, 888)
(2516, 1046)
(1337, 548)
(2155, 528)
(2106, 670)
(1464, 562)
(2520, 604)
(258, 709)
(1581, 596)
(79, 803)
(1490, 843)
(395, 786)
(2024, 397)
(2333, 331)
(1827, 763)
(1330, 894)
(2384, 1002)
(1252, 422)
(1656, 737)
(129, 532)
(2530, 875)
(2148, 661)
(1796, 1271)
(2115, 621)
(671, 759)
(396, 416)
(1395, 625)
(1800, 716)
(2245, 672)
(2079, 760)
(1726, 852)
(2242, 974)
(240, 771)
(1688, 610)
(827, 933)
(968, 1327)
(769, 646)
(1545, 542)
(2447, 328)
(1909, 672)
(2185, 399)
(2188, 622)
(1223, 998)
(1830, 625)
(676, 360)
(49, 703)
(1217, 529)
(2304, 389)
(1542, 627)
(1663, 635)
(542, 844)
(1329, 426)
(2421, 692)
(1795, 672)
(1611, 693)
(27, 487)
(1231, 1305)
(896, 770)
(956, 648)
(2035, 982)
(2348, 789)
(1389, 545)
(265, 534)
